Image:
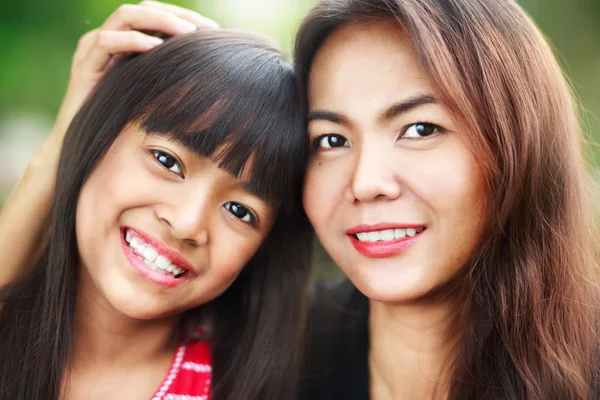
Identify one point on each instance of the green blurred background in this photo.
(39, 36)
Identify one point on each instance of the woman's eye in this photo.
(240, 212)
(420, 130)
(167, 161)
(330, 142)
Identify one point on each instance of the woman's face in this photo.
(392, 189)
(161, 230)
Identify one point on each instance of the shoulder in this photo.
(336, 341)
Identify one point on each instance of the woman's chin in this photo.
(397, 287)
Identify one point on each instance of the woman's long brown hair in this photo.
(531, 302)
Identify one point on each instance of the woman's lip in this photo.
(144, 270)
(383, 249)
(163, 249)
(381, 227)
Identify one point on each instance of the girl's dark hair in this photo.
(231, 97)
(531, 288)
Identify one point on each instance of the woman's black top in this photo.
(335, 362)
(335, 366)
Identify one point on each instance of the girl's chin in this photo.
(145, 313)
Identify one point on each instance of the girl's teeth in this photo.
(411, 232)
(134, 242)
(163, 262)
(139, 250)
(150, 265)
(150, 254)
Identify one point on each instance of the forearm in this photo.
(24, 217)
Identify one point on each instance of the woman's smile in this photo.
(384, 239)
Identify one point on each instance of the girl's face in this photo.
(161, 230)
(393, 190)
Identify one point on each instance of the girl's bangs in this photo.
(237, 104)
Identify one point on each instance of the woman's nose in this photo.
(373, 178)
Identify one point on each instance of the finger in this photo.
(114, 60)
(189, 15)
(114, 42)
(84, 44)
(137, 17)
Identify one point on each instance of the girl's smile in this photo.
(155, 260)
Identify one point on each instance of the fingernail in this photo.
(209, 23)
(154, 41)
(187, 26)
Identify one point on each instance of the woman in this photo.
(175, 250)
(447, 183)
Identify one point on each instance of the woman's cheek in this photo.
(319, 193)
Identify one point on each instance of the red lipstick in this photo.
(381, 248)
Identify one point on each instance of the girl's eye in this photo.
(240, 212)
(420, 130)
(167, 161)
(330, 141)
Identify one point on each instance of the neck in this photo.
(411, 348)
(106, 337)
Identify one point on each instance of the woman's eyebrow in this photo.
(323, 115)
(386, 115)
(405, 106)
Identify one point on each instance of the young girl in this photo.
(447, 183)
(176, 251)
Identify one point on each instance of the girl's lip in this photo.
(381, 227)
(144, 270)
(162, 249)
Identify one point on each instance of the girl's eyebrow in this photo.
(172, 137)
(268, 205)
